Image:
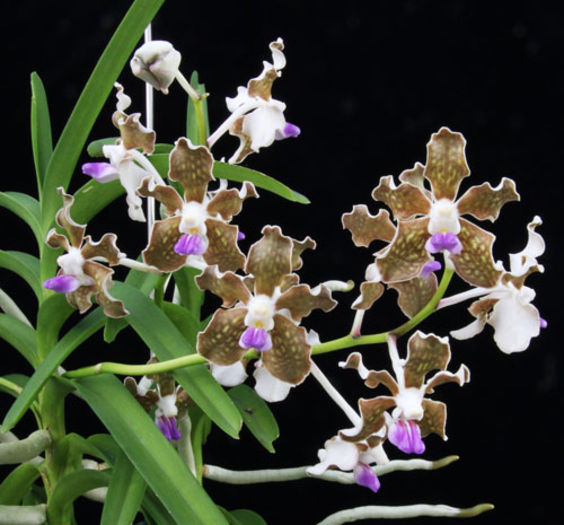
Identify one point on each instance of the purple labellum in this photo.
(62, 283)
(167, 425)
(406, 435)
(240, 236)
(543, 323)
(429, 268)
(257, 338)
(290, 130)
(443, 241)
(365, 477)
(191, 244)
(100, 171)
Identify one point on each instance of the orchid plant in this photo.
(158, 413)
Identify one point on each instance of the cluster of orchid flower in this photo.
(264, 304)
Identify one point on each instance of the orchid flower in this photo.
(197, 230)
(156, 62)
(257, 118)
(80, 276)
(126, 163)
(430, 221)
(263, 312)
(507, 306)
(413, 416)
(356, 457)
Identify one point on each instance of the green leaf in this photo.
(92, 197)
(248, 517)
(26, 266)
(191, 121)
(257, 416)
(87, 326)
(26, 208)
(143, 281)
(20, 335)
(53, 312)
(41, 138)
(95, 148)
(201, 428)
(161, 335)
(154, 511)
(17, 483)
(186, 323)
(71, 487)
(222, 170)
(148, 450)
(125, 493)
(192, 297)
(91, 101)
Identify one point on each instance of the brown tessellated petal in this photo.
(219, 342)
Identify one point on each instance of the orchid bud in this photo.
(156, 62)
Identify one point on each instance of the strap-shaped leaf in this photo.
(25, 265)
(87, 326)
(246, 517)
(186, 323)
(256, 415)
(192, 131)
(91, 101)
(17, 483)
(125, 493)
(154, 511)
(163, 338)
(26, 208)
(41, 137)
(53, 312)
(148, 450)
(192, 297)
(20, 335)
(91, 198)
(69, 488)
(222, 170)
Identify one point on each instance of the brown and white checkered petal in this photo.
(167, 385)
(74, 230)
(229, 286)
(446, 163)
(166, 195)
(434, 418)
(192, 167)
(414, 294)
(261, 86)
(222, 249)
(415, 176)
(289, 357)
(485, 202)
(382, 377)
(219, 342)
(426, 352)
(461, 377)
(372, 412)
(292, 279)
(102, 276)
(105, 247)
(80, 299)
(366, 228)
(244, 148)
(57, 240)
(519, 281)
(369, 293)
(134, 135)
(228, 203)
(269, 260)
(160, 250)
(299, 247)
(148, 401)
(300, 301)
(406, 200)
(475, 262)
(405, 257)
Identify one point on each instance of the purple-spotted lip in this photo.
(167, 425)
(289, 130)
(100, 171)
(406, 435)
(257, 338)
(443, 241)
(62, 283)
(190, 244)
(365, 477)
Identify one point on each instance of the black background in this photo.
(367, 82)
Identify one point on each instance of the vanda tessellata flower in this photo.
(263, 312)
(80, 276)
